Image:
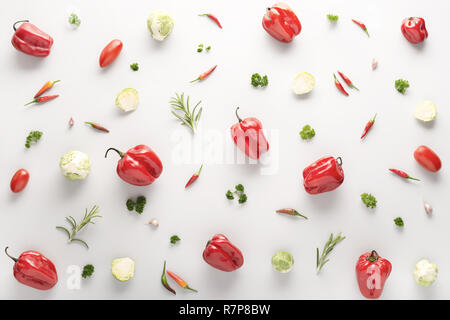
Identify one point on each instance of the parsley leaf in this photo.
(174, 239)
(332, 17)
(242, 198)
(307, 132)
(131, 204)
(229, 195)
(239, 192)
(33, 136)
(88, 270)
(369, 200)
(399, 222)
(141, 201)
(401, 85)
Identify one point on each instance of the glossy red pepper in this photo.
(427, 158)
(281, 22)
(221, 254)
(414, 30)
(372, 272)
(19, 180)
(110, 53)
(324, 175)
(31, 40)
(34, 270)
(139, 166)
(247, 134)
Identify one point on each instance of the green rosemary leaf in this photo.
(182, 111)
(81, 241)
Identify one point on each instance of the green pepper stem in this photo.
(121, 154)
(14, 25)
(373, 256)
(6, 251)
(33, 101)
(236, 112)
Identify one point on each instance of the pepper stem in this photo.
(121, 154)
(339, 161)
(189, 288)
(195, 80)
(373, 256)
(199, 170)
(409, 177)
(236, 112)
(34, 101)
(6, 251)
(14, 25)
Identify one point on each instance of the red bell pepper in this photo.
(139, 166)
(414, 30)
(34, 270)
(281, 22)
(31, 40)
(324, 175)
(221, 254)
(372, 272)
(247, 134)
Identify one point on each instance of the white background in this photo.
(241, 48)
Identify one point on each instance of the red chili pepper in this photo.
(110, 53)
(368, 126)
(31, 40)
(180, 281)
(139, 166)
(414, 30)
(281, 22)
(96, 126)
(362, 25)
(339, 85)
(205, 74)
(45, 87)
(291, 212)
(194, 177)
(213, 18)
(34, 270)
(43, 99)
(427, 158)
(347, 80)
(372, 272)
(71, 122)
(324, 175)
(402, 174)
(164, 280)
(221, 254)
(247, 134)
(19, 180)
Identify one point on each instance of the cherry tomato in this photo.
(110, 53)
(19, 180)
(427, 158)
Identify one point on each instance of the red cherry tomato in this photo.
(19, 180)
(427, 158)
(110, 53)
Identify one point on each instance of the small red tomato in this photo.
(427, 158)
(19, 180)
(110, 53)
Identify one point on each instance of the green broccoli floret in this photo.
(401, 85)
(369, 200)
(88, 270)
(307, 132)
(131, 204)
(140, 204)
(33, 136)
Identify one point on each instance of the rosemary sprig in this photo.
(183, 112)
(329, 246)
(77, 227)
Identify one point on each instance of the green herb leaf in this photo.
(174, 239)
(332, 17)
(141, 201)
(208, 48)
(369, 200)
(88, 270)
(134, 66)
(229, 195)
(33, 136)
(307, 132)
(401, 85)
(399, 222)
(257, 80)
(183, 113)
(329, 246)
(242, 198)
(239, 187)
(74, 20)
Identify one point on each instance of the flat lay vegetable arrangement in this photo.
(139, 165)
